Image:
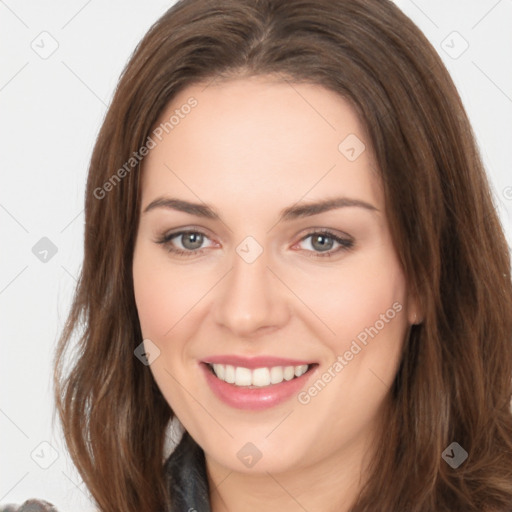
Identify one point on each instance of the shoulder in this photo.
(29, 506)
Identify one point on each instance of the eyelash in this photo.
(345, 244)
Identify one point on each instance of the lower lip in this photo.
(257, 398)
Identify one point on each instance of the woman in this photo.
(291, 248)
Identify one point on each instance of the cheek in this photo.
(358, 294)
(364, 303)
(164, 294)
(369, 299)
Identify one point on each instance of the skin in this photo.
(250, 148)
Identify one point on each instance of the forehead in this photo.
(259, 139)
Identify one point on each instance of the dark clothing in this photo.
(185, 472)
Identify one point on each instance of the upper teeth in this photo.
(241, 376)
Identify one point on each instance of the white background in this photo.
(51, 111)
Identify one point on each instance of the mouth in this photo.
(258, 377)
(259, 387)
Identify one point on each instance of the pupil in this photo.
(325, 242)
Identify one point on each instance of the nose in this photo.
(251, 300)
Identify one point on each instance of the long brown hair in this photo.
(454, 383)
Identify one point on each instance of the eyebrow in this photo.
(287, 214)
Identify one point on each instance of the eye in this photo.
(319, 243)
(191, 240)
(184, 243)
(322, 242)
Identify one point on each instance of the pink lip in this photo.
(256, 398)
(254, 362)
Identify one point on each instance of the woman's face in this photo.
(263, 248)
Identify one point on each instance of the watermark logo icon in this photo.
(249, 454)
(147, 352)
(45, 45)
(454, 455)
(44, 455)
(351, 147)
(44, 250)
(454, 45)
(249, 249)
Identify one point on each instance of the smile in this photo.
(259, 377)
(258, 383)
